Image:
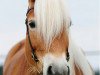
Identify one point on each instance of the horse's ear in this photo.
(31, 3)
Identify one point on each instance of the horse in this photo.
(48, 48)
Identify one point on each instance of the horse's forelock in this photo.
(51, 18)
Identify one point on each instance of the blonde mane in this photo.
(77, 57)
(52, 18)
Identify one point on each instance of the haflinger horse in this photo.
(48, 48)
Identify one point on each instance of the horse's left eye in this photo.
(32, 24)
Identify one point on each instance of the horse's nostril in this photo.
(49, 71)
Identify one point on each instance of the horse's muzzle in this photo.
(54, 70)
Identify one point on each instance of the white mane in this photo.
(78, 58)
(51, 18)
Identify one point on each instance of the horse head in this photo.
(47, 36)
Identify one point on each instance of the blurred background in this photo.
(85, 29)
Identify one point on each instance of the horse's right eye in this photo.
(32, 24)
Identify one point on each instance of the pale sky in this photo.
(84, 14)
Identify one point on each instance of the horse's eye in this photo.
(32, 24)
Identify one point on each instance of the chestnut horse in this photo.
(48, 48)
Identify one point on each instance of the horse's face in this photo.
(53, 57)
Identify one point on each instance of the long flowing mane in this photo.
(52, 18)
(77, 57)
